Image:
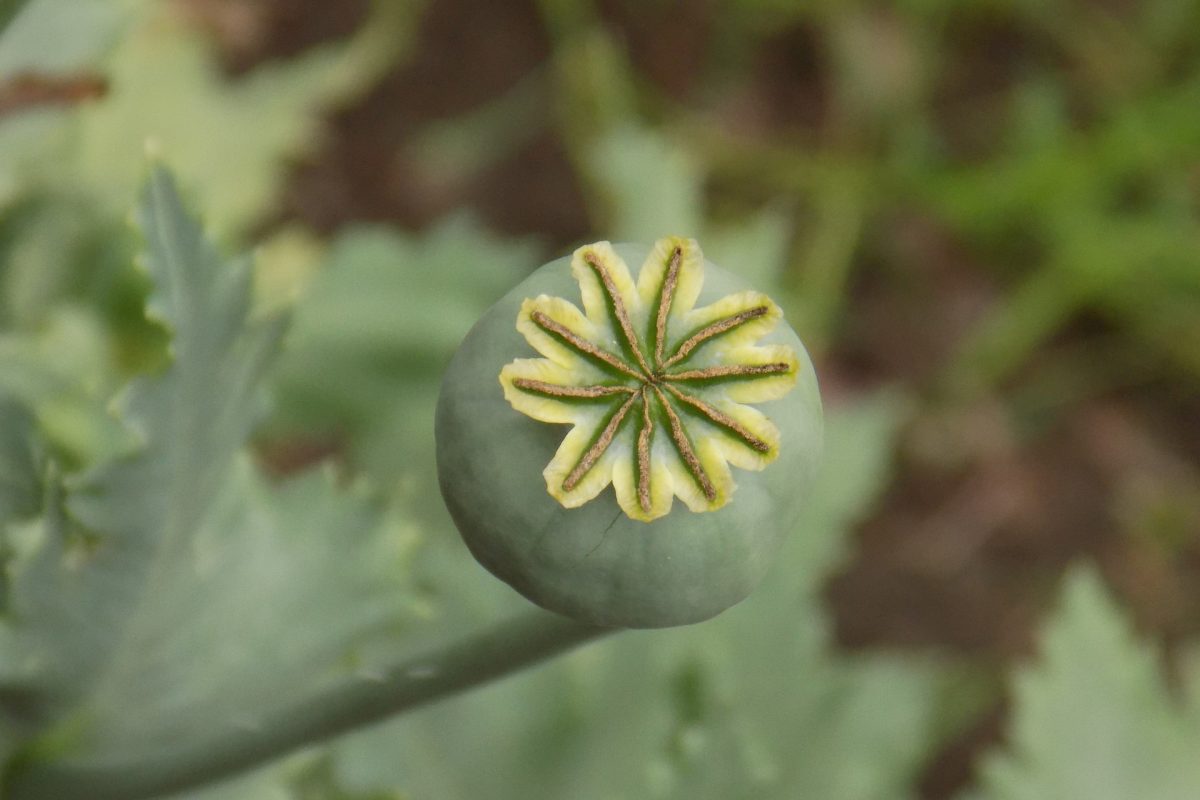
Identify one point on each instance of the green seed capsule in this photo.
(679, 382)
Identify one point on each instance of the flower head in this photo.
(658, 391)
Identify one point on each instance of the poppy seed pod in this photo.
(629, 450)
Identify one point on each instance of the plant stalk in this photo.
(353, 703)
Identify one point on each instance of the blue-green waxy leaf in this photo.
(173, 593)
(1092, 718)
(142, 510)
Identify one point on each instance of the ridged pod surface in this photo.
(590, 398)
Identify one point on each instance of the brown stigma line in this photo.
(684, 446)
(643, 453)
(582, 345)
(581, 392)
(728, 371)
(715, 329)
(610, 288)
(721, 418)
(600, 445)
(670, 282)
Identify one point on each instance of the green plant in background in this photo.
(173, 613)
(177, 531)
(1094, 719)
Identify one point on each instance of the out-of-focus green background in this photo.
(982, 217)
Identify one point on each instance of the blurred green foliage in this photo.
(382, 317)
(161, 581)
(1094, 718)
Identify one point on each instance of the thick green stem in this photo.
(351, 704)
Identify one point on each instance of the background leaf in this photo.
(374, 330)
(1093, 718)
(20, 493)
(81, 31)
(167, 89)
(173, 592)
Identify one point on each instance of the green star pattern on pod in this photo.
(657, 390)
(681, 387)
